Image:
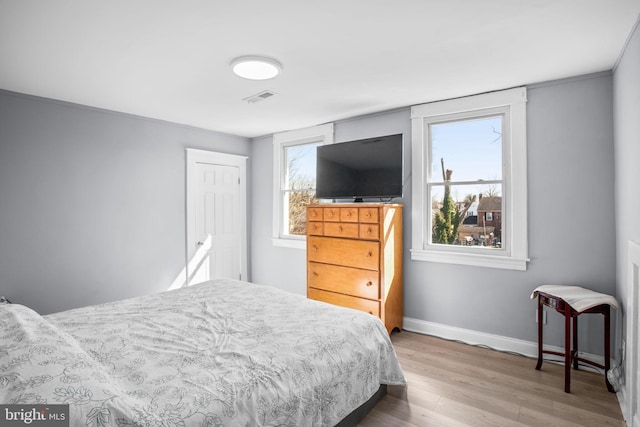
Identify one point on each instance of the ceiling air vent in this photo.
(259, 96)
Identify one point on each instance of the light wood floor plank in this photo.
(454, 384)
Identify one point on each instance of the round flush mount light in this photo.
(256, 67)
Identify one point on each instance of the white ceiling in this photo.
(169, 59)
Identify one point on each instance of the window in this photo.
(469, 180)
(294, 181)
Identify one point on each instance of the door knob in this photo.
(199, 243)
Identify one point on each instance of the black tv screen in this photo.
(366, 168)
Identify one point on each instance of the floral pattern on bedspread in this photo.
(221, 353)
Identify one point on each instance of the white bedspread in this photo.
(222, 353)
(580, 299)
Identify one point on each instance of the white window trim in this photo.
(322, 134)
(515, 255)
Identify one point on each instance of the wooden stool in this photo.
(572, 301)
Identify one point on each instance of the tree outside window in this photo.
(300, 183)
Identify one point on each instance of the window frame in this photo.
(514, 252)
(322, 134)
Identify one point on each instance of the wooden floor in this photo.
(453, 384)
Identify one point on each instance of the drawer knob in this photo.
(330, 214)
(371, 312)
(368, 215)
(314, 248)
(315, 274)
(369, 230)
(369, 283)
(340, 228)
(369, 254)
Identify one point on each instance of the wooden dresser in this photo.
(354, 258)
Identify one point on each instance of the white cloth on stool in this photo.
(580, 299)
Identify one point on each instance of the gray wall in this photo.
(91, 201)
(571, 219)
(270, 265)
(626, 91)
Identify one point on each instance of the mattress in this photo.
(221, 353)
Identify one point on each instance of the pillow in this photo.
(41, 364)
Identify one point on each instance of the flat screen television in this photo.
(365, 168)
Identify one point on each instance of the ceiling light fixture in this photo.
(256, 67)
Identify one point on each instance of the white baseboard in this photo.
(625, 406)
(496, 342)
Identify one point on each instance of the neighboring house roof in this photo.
(490, 204)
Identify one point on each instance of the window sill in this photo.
(289, 243)
(478, 260)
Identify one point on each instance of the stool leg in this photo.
(539, 365)
(607, 349)
(567, 348)
(575, 343)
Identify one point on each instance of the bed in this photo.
(221, 353)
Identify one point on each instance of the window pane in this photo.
(301, 166)
(472, 216)
(471, 149)
(295, 204)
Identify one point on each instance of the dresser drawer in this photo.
(349, 214)
(369, 215)
(341, 229)
(351, 253)
(331, 214)
(369, 231)
(314, 214)
(368, 306)
(315, 227)
(345, 280)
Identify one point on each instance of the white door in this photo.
(216, 218)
